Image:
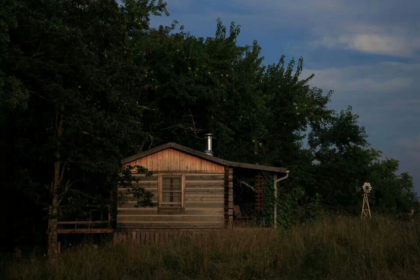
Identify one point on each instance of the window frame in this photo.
(161, 207)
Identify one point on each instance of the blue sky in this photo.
(367, 51)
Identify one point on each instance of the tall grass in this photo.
(346, 248)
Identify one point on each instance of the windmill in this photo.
(366, 208)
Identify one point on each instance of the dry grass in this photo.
(345, 248)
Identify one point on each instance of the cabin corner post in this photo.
(275, 201)
(229, 197)
(113, 207)
(230, 212)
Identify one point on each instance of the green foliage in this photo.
(296, 206)
(393, 193)
(143, 197)
(269, 199)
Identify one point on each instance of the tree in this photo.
(341, 158)
(200, 85)
(391, 193)
(344, 161)
(73, 65)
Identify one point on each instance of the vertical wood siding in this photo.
(173, 160)
(154, 237)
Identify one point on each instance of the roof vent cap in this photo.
(209, 144)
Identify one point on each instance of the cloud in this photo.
(179, 4)
(412, 147)
(388, 29)
(371, 43)
(409, 102)
(385, 95)
(371, 37)
(381, 78)
(411, 144)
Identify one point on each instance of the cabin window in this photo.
(171, 192)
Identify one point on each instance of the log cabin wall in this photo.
(204, 195)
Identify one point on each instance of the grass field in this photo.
(342, 248)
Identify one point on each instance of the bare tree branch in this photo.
(249, 186)
(64, 192)
(62, 171)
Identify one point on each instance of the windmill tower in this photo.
(366, 208)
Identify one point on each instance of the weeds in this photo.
(346, 248)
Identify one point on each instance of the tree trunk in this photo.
(52, 234)
(54, 196)
(52, 215)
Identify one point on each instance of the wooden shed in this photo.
(192, 191)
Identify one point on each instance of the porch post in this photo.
(230, 198)
(275, 194)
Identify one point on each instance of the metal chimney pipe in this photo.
(209, 143)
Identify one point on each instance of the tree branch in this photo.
(66, 189)
(249, 186)
(62, 171)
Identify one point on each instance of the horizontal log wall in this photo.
(229, 197)
(204, 205)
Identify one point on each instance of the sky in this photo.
(367, 51)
